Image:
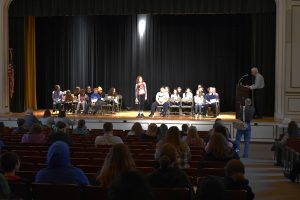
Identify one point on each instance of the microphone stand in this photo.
(239, 82)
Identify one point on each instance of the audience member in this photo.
(184, 131)
(193, 138)
(136, 129)
(35, 135)
(59, 134)
(81, 128)
(183, 150)
(168, 175)
(108, 137)
(117, 161)
(130, 185)
(235, 178)
(210, 188)
(292, 134)
(47, 120)
(62, 118)
(59, 169)
(30, 119)
(20, 129)
(218, 150)
(162, 131)
(151, 133)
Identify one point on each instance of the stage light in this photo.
(141, 25)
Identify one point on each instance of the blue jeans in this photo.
(247, 136)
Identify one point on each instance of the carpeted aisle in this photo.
(267, 181)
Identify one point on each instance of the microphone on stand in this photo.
(240, 81)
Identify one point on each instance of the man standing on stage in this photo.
(258, 92)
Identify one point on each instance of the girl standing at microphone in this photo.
(140, 95)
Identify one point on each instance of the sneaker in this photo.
(139, 115)
(151, 115)
(142, 115)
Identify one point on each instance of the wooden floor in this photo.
(130, 115)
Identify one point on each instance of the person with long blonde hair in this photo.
(193, 138)
(117, 161)
(183, 150)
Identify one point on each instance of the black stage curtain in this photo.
(16, 42)
(184, 50)
(131, 7)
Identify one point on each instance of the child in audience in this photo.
(193, 138)
(81, 128)
(184, 131)
(59, 169)
(35, 135)
(136, 129)
(163, 129)
(130, 185)
(59, 134)
(235, 178)
(47, 120)
(151, 133)
(210, 188)
(168, 175)
(117, 161)
(62, 118)
(183, 150)
(30, 118)
(20, 129)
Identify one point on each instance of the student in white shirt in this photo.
(175, 98)
(162, 99)
(108, 137)
(200, 104)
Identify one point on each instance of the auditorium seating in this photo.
(90, 159)
(290, 155)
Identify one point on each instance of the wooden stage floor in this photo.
(131, 115)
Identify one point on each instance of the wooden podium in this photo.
(241, 93)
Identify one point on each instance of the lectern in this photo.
(241, 93)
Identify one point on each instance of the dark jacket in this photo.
(230, 184)
(172, 177)
(59, 169)
(227, 157)
(59, 136)
(30, 120)
(249, 113)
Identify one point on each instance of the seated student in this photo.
(35, 135)
(59, 134)
(179, 91)
(168, 175)
(30, 118)
(62, 118)
(47, 120)
(200, 104)
(193, 138)
(95, 102)
(218, 150)
(292, 134)
(59, 169)
(184, 131)
(82, 100)
(175, 98)
(108, 137)
(151, 133)
(77, 91)
(118, 160)
(183, 150)
(113, 95)
(57, 98)
(210, 188)
(89, 91)
(68, 101)
(10, 164)
(162, 131)
(187, 96)
(81, 128)
(212, 99)
(20, 129)
(218, 128)
(162, 99)
(136, 129)
(130, 185)
(235, 178)
(218, 122)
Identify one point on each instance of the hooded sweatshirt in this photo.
(230, 184)
(59, 169)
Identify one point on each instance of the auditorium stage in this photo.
(131, 115)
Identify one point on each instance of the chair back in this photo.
(94, 193)
(171, 193)
(235, 195)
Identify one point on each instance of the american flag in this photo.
(11, 74)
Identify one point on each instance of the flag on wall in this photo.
(11, 74)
